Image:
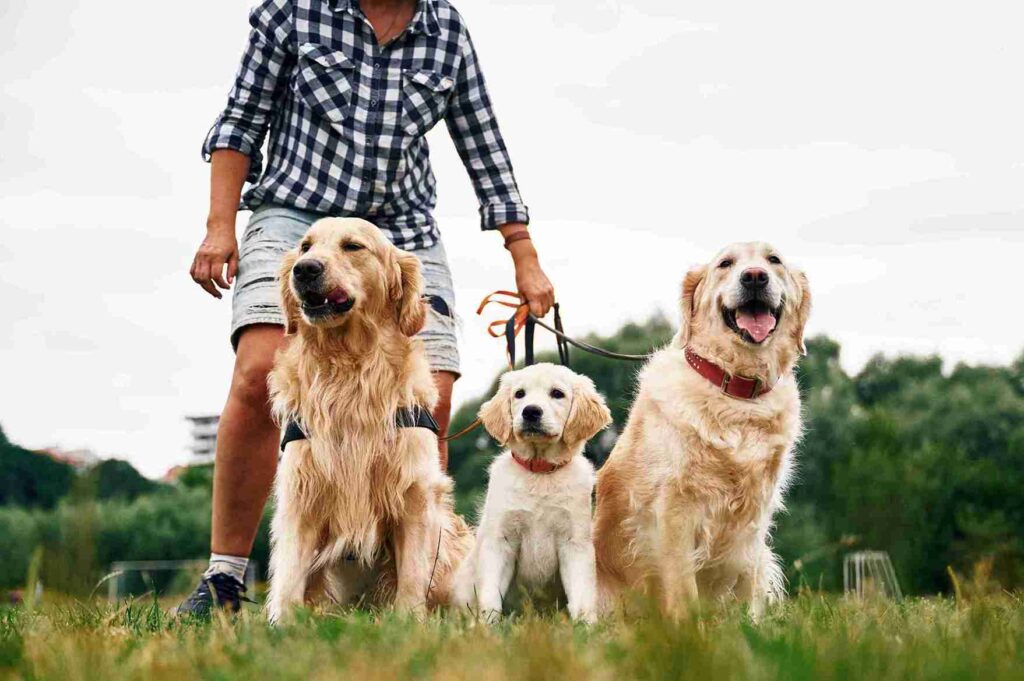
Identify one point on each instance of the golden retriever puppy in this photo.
(535, 526)
(363, 509)
(686, 498)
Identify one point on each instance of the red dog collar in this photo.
(732, 385)
(536, 465)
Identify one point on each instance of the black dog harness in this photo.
(406, 417)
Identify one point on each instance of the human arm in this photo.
(233, 145)
(228, 170)
(474, 130)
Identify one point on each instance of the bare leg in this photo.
(247, 441)
(443, 411)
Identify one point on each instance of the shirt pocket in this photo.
(425, 97)
(323, 82)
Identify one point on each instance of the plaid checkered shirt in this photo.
(347, 117)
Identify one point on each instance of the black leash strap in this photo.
(528, 331)
(566, 340)
(563, 345)
(510, 340)
(529, 334)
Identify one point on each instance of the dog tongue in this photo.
(337, 296)
(758, 324)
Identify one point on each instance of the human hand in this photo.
(219, 249)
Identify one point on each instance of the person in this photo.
(347, 90)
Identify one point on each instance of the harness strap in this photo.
(439, 306)
(405, 417)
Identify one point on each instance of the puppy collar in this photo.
(732, 385)
(536, 465)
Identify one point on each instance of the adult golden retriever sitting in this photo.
(363, 508)
(686, 499)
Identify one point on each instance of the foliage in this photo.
(810, 637)
(113, 479)
(83, 536)
(31, 479)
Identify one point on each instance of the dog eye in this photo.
(774, 259)
(305, 246)
(725, 264)
(520, 394)
(351, 246)
(557, 394)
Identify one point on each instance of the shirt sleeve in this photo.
(243, 124)
(474, 129)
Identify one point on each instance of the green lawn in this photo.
(810, 637)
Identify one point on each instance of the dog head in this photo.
(748, 302)
(344, 269)
(547, 409)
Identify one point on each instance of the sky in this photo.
(878, 145)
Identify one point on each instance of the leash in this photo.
(524, 320)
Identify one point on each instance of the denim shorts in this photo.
(274, 230)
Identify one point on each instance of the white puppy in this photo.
(535, 526)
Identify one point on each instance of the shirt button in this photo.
(376, 65)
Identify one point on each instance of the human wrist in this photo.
(522, 252)
(217, 223)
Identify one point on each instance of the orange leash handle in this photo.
(497, 330)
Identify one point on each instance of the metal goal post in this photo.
(870, 573)
(164, 577)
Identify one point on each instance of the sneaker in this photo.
(218, 590)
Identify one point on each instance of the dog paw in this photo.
(586, 616)
(490, 616)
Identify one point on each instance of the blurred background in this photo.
(877, 145)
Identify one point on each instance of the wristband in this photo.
(516, 236)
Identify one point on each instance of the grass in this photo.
(809, 637)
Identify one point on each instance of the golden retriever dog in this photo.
(535, 528)
(363, 509)
(686, 499)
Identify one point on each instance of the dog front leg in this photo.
(749, 590)
(291, 560)
(754, 585)
(579, 579)
(677, 569)
(494, 568)
(415, 552)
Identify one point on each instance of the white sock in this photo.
(228, 565)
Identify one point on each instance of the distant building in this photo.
(204, 437)
(78, 458)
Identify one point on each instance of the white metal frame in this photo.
(868, 573)
(118, 570)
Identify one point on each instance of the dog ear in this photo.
(407, 294)
(688, 303)
(496, 414)
(589, 413)
(289, 304)
(803, 311)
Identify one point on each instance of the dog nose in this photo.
(307, 270)
(532, 413)
(754, 277)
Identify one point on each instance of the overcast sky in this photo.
(878, 144)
